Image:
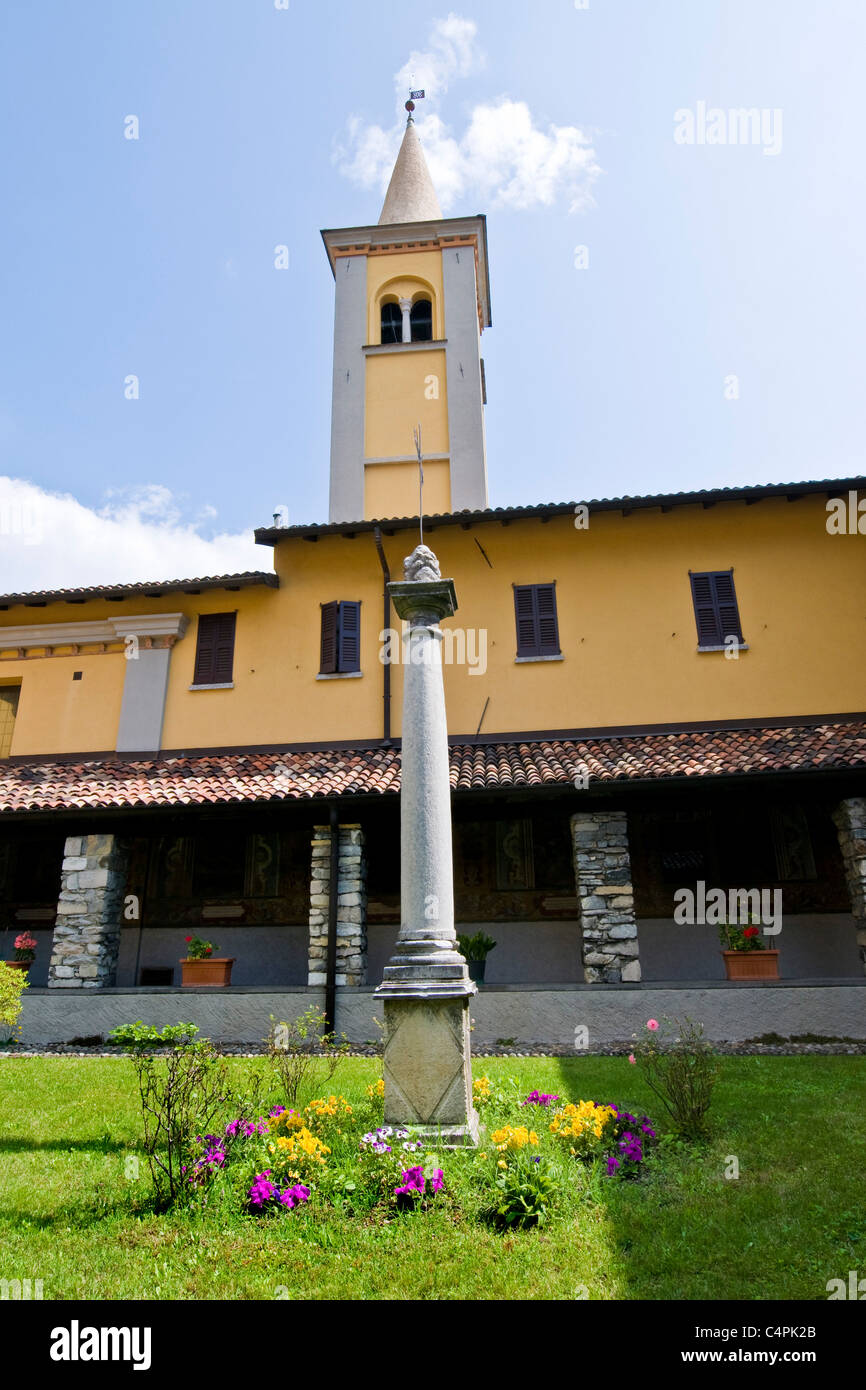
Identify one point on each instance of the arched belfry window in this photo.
(421, 319)
(392, 323)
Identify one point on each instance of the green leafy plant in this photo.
(145, 1035)
(476, 947)
(682, 1073)
(12, 985)
(197, 949)
(525, 1191)
(735, 936)
(292, 1050)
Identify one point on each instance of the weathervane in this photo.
(416, 435)
(410, 104)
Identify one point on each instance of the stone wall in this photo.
(850, 821)
(89, 913)
(602, 874)
(351, 906)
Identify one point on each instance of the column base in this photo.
(428, 1076)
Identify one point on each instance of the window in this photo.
(392, 323)
(215, 649)
(8, 709)
(421, 319)
(341, 638)
(716, 614)
(535, 615)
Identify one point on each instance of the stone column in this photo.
(351, 906)
(89, 913)
(602, 874)
(426, 987)
(850, 820)
(405, 310)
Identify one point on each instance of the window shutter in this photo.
(548, 627)
(328, 662)
(716, 612)
(524, 613)
(350, 637)
(215, 649)
(537, 624)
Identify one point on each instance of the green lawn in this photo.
(794, 1219)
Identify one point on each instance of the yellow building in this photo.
(650, 699)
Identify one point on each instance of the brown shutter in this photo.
(328, 661)
(716, 612)
(215, 649)
(548, 627)
(524, 614)
(350, 637)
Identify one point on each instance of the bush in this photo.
(291, 1051)
(682, 1073)
(525, 1190)
(12, 986)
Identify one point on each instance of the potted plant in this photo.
(475, 950)
(202, 967)
(25, 952)
(745, 955)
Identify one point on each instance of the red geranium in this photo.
(750, 931)
(187, 938)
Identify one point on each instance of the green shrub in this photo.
(12, 986)
(682, 1073)
(525, 1191)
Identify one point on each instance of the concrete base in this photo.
(530, 1015)
(428, 1070)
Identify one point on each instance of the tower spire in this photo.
(411, 196)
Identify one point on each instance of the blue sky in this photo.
(258, 126)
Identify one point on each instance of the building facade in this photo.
(644, 695)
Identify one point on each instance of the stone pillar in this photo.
(351, 906)
(89, 913)
(426, 987)
(406, 310)
(602, 874)
(850, 820)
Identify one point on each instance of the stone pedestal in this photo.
(426, 987)
(89, 913)
(602, 874)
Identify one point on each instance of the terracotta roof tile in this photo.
(243, 778)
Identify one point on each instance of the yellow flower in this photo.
(510, 1137)
(501, 1163)
(482, 1156)
(377, 1089)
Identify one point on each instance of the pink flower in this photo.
(631, 1058)
(652, 1024)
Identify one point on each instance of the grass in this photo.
(794, 1219)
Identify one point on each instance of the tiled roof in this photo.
(150, 588)
(706, 497)
(239, 778)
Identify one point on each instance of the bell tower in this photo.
(412, 300)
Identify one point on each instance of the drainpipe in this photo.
(386, 615)
(331, 960)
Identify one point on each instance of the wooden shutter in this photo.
(328, 659)
(215, 649)
(548, 627)
(716, 612)
(535, 616)
(524, 614)
(349, 637)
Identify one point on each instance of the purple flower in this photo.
(612, 1164)
(291, 1196)
(437, 1180)
(538, 1098)
(277, 1110)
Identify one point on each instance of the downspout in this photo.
(331, 959)
(386, 617)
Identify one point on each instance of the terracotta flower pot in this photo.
(18, 964)
(215, 971)
(751, 965)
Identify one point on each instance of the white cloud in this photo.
(502, 157)
(49, 540)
